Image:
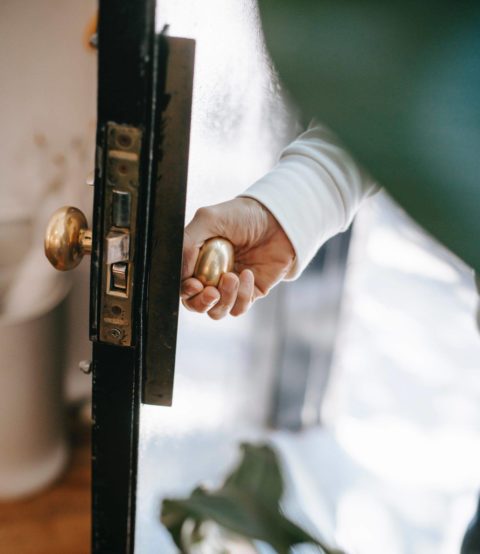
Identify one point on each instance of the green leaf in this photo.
(399, 82)
(259, 471)
(247, 504)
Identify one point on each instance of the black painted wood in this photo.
(114, 449)
(134, 88)
(125, 83)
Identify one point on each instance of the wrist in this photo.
(276, 223)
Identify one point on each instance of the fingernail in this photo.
(211, 299)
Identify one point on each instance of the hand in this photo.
(263, 256)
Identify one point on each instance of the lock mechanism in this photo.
(122, 164)
(68, 238)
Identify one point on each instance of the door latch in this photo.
(122, 163)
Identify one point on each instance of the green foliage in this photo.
(399, 82)
(247, 504)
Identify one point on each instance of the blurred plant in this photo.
(245, 508)
(399, 82)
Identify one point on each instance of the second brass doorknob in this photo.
(67, 238)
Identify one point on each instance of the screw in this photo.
(115, 333)
(93, 40)
(123, 169)
(85, 366)
(124, 140)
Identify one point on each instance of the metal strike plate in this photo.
(122, 160)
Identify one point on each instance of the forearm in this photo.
(314, 192)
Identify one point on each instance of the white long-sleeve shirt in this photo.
(314, 192)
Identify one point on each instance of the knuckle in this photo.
(205, 213)
(188, 242)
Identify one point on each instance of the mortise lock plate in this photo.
(122, 161)
(68, 238)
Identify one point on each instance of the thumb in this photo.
(201, 228)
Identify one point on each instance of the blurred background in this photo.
(363, 374)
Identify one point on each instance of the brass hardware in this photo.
(122, 163)
(116, 333)
(121, 211)
(119, 277)
(67, 238)
(117, 247)
(214, 259)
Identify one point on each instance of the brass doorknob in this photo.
(214, 259)
(67, 238)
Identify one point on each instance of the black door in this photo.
(144, 100)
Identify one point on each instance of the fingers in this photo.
(234, 295)
(190, 253)
(245, 293)
(203, 301)
(228, 289)
(190, 287)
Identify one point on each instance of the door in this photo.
(144, 102)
